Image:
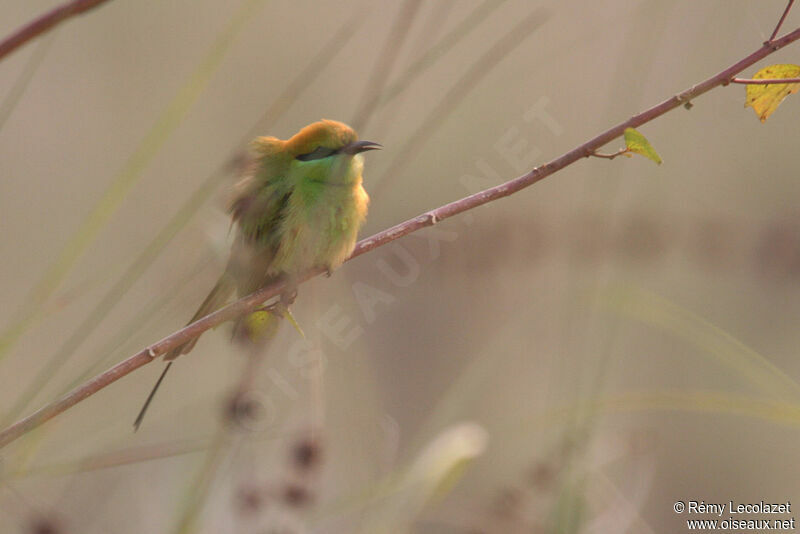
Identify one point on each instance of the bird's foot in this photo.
(289, 295)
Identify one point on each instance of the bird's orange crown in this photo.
(325, 133)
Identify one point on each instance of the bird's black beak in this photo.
(360, 146)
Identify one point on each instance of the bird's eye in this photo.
(318, 153)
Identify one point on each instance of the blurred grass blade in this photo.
(714, 402)
(111, 298)
(431, 26)
(459, 90)
(221, 448)
(152, 313)
(18, 89)
(694, 401)
(388, 56)
(431, 476)
(470, 22)
(294, 89)
(568, 514)
(127, 177)
(101, 357)
(110, 459)
(655, 310)
(197, 491)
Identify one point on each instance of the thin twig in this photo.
(765, 81)
(44, 23)
(254, 300)
(614, 155)
(780, 22)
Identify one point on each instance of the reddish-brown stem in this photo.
(616, 154)
(254, 300)
(45, 22)
(765, 81)
(780, 22)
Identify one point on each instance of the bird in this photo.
(299, 206)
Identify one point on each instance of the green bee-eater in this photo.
(299, 207)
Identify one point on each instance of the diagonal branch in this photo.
(254, 300)
(44, 23)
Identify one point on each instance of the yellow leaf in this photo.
(639, 144)
(764, 99)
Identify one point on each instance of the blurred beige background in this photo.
(624, 333)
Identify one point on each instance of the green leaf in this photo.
(639, 144)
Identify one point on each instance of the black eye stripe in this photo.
(318, 153)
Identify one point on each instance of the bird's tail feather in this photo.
(214, 301)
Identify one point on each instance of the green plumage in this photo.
(300, 207)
